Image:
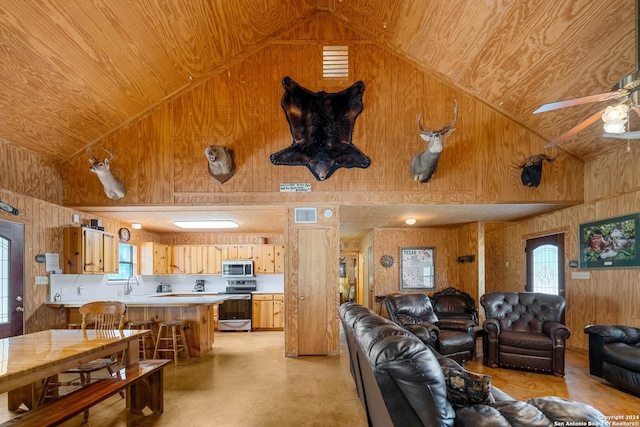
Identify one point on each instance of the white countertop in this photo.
(158, 299)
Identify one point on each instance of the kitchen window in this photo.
(126, 262)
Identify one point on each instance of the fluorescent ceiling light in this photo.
(136, 225)
(206, 224)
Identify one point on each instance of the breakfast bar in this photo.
(195, 310)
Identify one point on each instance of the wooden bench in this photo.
(145, 384)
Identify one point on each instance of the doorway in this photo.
(351, 286)
(545, 264)
(11, 279)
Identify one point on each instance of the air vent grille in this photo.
(335, 62)
(306, 215)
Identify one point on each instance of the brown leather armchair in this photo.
(415, 313)
(455, 309)
(524, 330)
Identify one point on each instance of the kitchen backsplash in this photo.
(92, 287)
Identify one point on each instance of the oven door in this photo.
(235, 314)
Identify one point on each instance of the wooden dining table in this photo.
(27, 359)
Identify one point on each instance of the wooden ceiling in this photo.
(73, 72)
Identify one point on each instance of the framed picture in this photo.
(417, 268)
(343, 269)
(610, 243)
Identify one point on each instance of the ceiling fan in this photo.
(626, 93)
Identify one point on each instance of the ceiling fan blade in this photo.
(578, 101)
(574, 130)
(623, 135)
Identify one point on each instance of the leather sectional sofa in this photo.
(401, 382)
(614, 354)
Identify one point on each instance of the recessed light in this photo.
(410, 221)
(206, 224)
(136, 225)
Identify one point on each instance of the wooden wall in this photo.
(161, 161)
(610, 296)
(28, 173)
(44, 224)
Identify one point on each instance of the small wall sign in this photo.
(295, 187)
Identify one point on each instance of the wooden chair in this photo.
(105, 316)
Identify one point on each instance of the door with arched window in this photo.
(11, 278)
(545, 264)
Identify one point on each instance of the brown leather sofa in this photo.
(524, 331)
(614, 354)
(451, 337)
(401, 382)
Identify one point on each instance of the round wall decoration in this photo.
(124, 234)
(386, 261)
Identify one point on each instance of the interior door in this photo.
(545, 264)
(312, 292)
(11, 278)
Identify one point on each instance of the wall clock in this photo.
(386, 261)
(124, 234)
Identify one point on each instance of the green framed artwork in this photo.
(610, 243)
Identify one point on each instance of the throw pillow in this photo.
(466, 388)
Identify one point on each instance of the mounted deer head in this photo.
(424, 165)
(113, 187)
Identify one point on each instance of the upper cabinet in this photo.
(207, 259)
(89, 251)
(237, 252)
(154, 258)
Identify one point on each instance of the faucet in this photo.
(127, 285)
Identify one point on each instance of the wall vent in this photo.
(305, 215)
(335, 62)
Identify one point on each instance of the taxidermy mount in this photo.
(221, 163)
(321, 125)
(113, 187)
(532, 169)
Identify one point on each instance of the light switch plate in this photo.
(580, 275)
(42, 280)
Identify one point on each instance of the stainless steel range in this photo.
(235, 314)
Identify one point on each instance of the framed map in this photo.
(417, 268)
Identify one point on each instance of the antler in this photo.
(91, 154)
(109, 152)
(445, 129)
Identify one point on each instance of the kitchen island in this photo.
(196, 309)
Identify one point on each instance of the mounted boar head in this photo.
(113, 187)
(321, 125)
(532, 169)
(221, 164)
(424, 165)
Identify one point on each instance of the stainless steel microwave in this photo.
(237, 268)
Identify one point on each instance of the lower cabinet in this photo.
(267, 311)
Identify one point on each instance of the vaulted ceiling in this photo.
(73, 72)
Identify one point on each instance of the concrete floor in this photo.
(245, 382)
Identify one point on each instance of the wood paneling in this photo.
(608, 297)
(240, 109)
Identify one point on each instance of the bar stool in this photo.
(147, 342)
(175, 341)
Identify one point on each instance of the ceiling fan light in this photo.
(614, 114)
(614, 127)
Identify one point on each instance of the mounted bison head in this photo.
(532, 169)
(321, 125)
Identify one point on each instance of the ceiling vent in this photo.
(306, 215)
(335, 62)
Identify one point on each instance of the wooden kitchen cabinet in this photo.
(266, 311)
(89, 251)
(278, 259)
(212, 259)
(193, 258)
(263, 260)
(237, 252)
(154, 258)
(176, 263)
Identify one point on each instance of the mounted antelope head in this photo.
(424, 165)
(113, 187)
